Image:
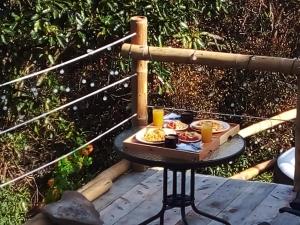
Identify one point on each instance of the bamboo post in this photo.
(138, 25)
(297, 141)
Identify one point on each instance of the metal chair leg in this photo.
(183, 218)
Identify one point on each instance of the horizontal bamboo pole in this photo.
(109, 174)
(254, 171)
(217, 59)
(97, 189)
(266, 124)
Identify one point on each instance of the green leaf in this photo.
(184, 25)
(61, 41)
(37, 25)
(3, 39)
(51, 59)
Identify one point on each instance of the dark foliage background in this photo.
(38, 34)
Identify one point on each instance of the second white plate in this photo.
(218, 125)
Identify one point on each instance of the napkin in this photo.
(192, 147)
(171, 116)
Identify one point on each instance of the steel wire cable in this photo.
(224, 114)
(66, 105)
(68, 154)
(91, 52)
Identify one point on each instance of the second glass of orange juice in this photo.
(158, 116)
(206, 131)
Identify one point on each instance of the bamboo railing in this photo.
(140, 52)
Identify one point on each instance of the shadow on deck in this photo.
(137, 196)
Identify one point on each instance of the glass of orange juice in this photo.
(158, 116)
(206, 131)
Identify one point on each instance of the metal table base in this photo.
(181, 200)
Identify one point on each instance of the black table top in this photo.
(227, 152)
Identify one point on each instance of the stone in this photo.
(72, 209)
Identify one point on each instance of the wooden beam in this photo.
(266, 124)
(216, 59)
(103, 182)
(100, 187)
(254, 171)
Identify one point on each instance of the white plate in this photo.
(185, 126)
(140, 135)
(224, 126)
(190, 141)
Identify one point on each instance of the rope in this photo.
(68, 154)
(225, 114)
(66, 105)
(92, 52)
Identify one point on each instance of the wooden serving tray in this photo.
(131, 145)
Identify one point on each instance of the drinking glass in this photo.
(158, 116)
(206, 131)
(171, 140)
(187, 117)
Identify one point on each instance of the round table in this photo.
(227, 152)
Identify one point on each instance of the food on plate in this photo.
(189, 136)
(156, 134)
(216, 125)
(176, 125)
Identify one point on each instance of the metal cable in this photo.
(225, 114)
(92, 52)
(66, 105)
(68, 154)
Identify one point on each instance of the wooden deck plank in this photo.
(267, 210)
(217, 201)
(286, 219)
(131, 199)
(147, 208)
(121, 186)
(152, 204)
(204, 187)
(246, 202)
(137, 196)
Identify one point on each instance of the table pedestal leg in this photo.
(179, 200)
(161, 213)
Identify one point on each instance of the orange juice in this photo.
(158, 117)
(206, 132)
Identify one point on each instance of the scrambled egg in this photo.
(153, 135)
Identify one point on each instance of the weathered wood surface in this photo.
(136, 197)
(286, 219)
(121, 186)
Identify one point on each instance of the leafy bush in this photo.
(14, 205)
